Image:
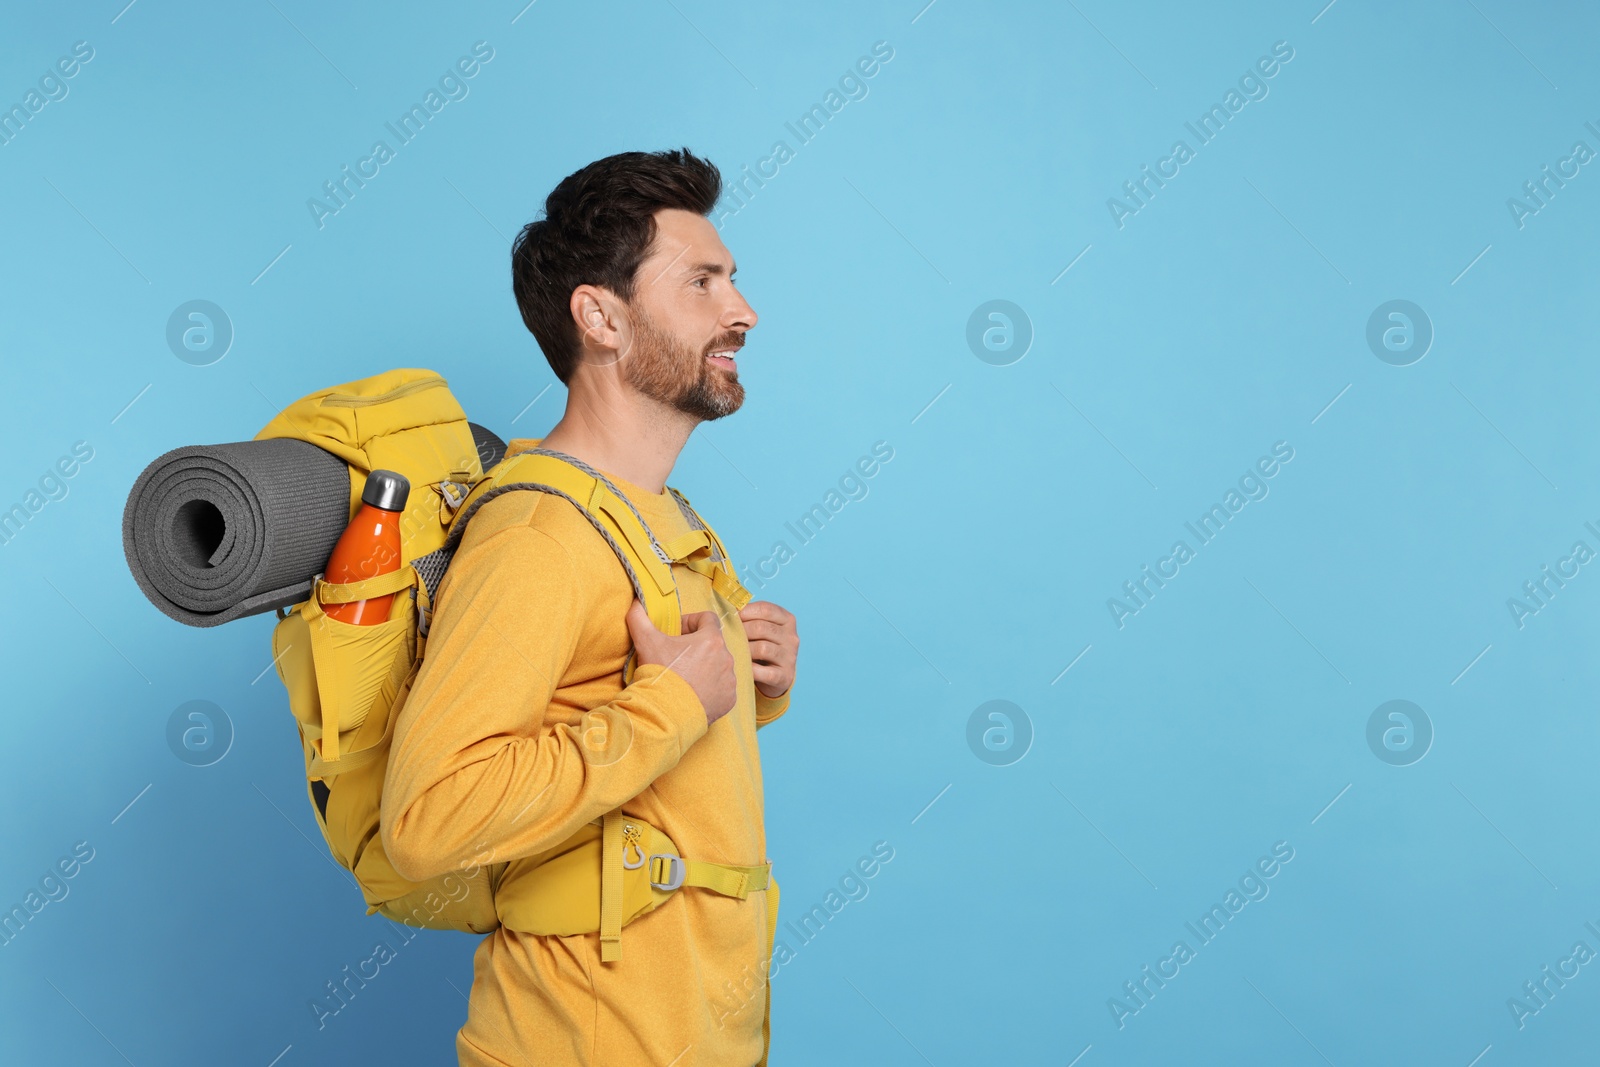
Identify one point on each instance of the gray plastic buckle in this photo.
(675, 866)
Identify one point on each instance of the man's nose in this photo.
(741, 314)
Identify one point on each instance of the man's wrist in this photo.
(679, 699)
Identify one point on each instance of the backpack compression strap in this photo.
(667, 871)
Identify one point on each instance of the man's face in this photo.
(686, 307)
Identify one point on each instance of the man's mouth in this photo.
(723, 357)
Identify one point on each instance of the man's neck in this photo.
(638, 442)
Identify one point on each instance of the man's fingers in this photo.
(773, 678)
(761, 630)
(765, 651)
(764, 609)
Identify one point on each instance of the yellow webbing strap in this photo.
(723, 581)
(330, 693)
(366, 588)
(684, 545)
(693, 550)
(323, 769)
(721, 878)
(611, 887)
(603, 501)
(719, 571)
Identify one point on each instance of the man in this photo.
(630, 293)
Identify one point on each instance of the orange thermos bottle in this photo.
(370, 546)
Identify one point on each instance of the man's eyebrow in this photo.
(712, 268)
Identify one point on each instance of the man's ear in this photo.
(604, 327)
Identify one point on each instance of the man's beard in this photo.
(669, 371)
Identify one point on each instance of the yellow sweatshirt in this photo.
(489, 761)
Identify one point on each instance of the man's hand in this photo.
(774, 646)
(700, 656)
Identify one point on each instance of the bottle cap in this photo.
(387, 490)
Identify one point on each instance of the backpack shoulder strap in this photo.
(643, 558)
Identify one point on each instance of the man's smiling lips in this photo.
(723, 357)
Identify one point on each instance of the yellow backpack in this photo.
(347, 683)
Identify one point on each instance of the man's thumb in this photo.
(698, 620)
(638, 620)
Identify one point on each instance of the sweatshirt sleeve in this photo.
(769, 709)
(474, 763)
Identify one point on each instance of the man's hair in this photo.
(598, 226)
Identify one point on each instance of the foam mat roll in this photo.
(214, 533)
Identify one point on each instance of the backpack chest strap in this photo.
(685, 545)
(705, 555)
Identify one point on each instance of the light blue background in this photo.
(1223, 317)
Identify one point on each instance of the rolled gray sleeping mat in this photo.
(213, 533)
